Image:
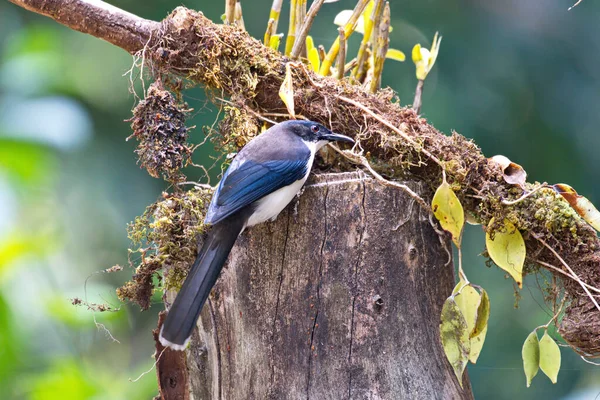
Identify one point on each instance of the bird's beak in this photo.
(336, 137)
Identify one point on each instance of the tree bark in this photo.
(339, 298)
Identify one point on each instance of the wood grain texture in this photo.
(339, 298)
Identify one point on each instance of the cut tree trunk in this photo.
(339, 298)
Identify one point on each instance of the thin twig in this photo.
(382, 44)
(151, 368)
(577, 278)
(556, 314)
(526, 195)
(274, 14)
(230, 11)
(251, 111)
(392, 127)
(368, 36)
(574, 5)
(308, 21)
(349, 65)
(269, 32)
(588, 361)
(341, 63)
(360, 159)
(560, 271)
(417, 102)
(98, 325)
(238, 15)
(348, 29)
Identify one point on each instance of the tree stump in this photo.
(339, 298)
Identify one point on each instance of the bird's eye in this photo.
(314, 128)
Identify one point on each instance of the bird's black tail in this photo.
(184, 312)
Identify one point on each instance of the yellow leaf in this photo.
(455, 337)
(531, 356)
(274, 41)
(475, 310)
(435, 48)
(424, 59)
(286, 91)
(448, 210)
(483, 314)
(580, 204)
(467, 300)
(416, 53)
(459, 285)
(395, 55)
(477, 345)
(310, 43)
(314, 59)
(549, 357)
(507, 249)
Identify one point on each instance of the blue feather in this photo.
(249, 181)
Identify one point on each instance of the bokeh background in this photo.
(520, 77)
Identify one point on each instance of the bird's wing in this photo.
(251, 181)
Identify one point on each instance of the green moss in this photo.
(165, 237)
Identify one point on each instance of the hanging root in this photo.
(158, 124)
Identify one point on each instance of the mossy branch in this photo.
(226, 59)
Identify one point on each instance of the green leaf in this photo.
(395, 55)
(477, 345)
(507, 249)
(454, 335)
(483, 314)
(531, 356)
(549, 357)
(448, 210)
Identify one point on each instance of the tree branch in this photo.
(96, 18)
(394, 139)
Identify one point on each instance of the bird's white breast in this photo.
(272, 204)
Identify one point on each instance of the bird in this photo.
(260, 182)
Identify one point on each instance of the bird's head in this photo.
(314, 134)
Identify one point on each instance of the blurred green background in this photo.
(520, 77)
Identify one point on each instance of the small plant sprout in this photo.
(424, 60)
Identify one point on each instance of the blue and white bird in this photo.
(260, 182)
